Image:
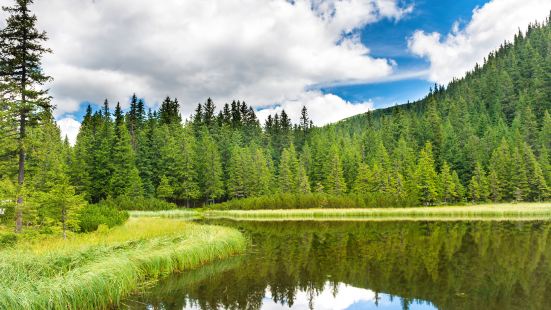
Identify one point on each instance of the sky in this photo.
(336, 57)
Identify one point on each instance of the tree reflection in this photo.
(454, 265)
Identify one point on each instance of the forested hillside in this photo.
(485, 137)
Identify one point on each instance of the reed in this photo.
(97, 270)
(528, 211)
(519, 211)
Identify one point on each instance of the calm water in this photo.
(371, 265)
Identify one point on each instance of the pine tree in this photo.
(260, 176)
(188, 185)
(478, 186)
(500, 173)
(334, 181)
(125, 179)
(237, 174)
(447, 190)
(164, 190)
(303, 183)
(519, 179)
(210, 167)
(21, 52)
(362, 184)
(426, 177)
(288, 168)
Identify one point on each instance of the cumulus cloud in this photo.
(260, 51)
(456, 53)
(322, 108)
(69, 128)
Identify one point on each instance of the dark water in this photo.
(371, 265)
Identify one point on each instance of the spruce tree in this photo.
(210, 167)
(164, 190)
(334, 181)
(447, 185)
(478, 186)
(125, 179)
(426, 177)
(288, 168)
(21, 51)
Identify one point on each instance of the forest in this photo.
(482, 138)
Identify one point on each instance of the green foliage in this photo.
(315, 200)
(92, 216)
(7, 240)
(138, 203)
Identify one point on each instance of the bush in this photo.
(101, 214)
(7, 239)
(315, 200)
(138, 204)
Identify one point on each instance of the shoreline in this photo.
(509, 212)
(98, 270)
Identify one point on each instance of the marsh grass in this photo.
(527, 211)
(180, 214)
(520, 211)
(95, 271)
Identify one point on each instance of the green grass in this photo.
(519, 211)
(528, 211)
(180, 214)
(97, 270)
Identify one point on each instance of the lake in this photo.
(370, 265)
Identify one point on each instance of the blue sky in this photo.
(388, 39)
(336, 57)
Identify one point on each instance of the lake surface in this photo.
(370, 265)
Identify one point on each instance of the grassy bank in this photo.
(528, 211)
(520, 211)
(96, 270)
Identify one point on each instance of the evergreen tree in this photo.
(334, 182)
(125, 179)
(21, 51)
(288, 169)
(164, 190)
(447, 190)
(478, 186)
(237, 174)
(519, 179)
(426, 177)
(210, 167)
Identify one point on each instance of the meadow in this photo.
(96, 270)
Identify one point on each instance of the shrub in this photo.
(315, 200)
(7, 239)
(93, 216)
(138, 204)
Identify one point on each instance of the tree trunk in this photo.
(21, 175)
(63, 221)
(22, 133)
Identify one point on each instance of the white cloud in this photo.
(260, 51)
(326, 299)
(492, 24)
(69, 128)
(322, 108)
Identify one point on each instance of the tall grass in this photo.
(519, 211)
(528, 211)
(180, 214)
(94, 271)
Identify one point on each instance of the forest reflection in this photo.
(370, 265)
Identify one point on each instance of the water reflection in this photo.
(366, 265)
